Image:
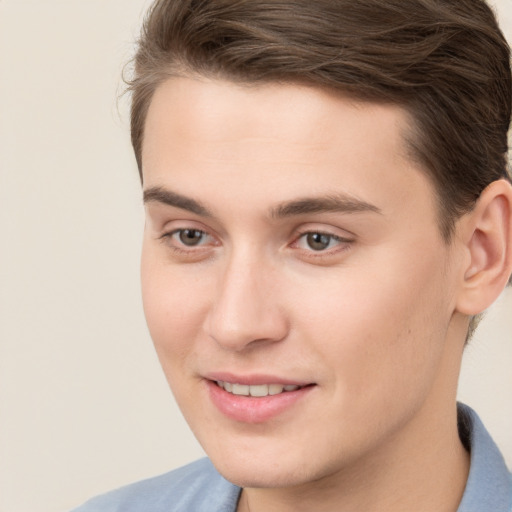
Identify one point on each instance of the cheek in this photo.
(377, 330)
(174, 303)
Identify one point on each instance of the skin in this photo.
(371, 320)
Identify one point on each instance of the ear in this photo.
(487, 238)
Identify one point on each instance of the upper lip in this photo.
(254, 379)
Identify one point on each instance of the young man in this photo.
(328, 211)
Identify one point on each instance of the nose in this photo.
(247, 310)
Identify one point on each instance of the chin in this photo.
(261, 477)
(264, 471)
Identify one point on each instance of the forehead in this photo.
(213, 110)
(277, 141)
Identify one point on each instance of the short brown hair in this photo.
(447, 63)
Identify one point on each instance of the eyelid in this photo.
(171, 225)
(171, 233)
(332, 231)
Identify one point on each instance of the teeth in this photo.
(275, 389)
(259, 390)
(256, 391)
(240, 389)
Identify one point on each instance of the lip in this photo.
(254, 379)
(253, 410)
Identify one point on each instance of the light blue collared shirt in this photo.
(198, 487)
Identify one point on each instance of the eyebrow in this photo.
(342, 203)
(162, 195)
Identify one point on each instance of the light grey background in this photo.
(83, 404)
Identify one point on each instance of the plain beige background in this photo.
(83, 404)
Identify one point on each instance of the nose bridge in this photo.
(246, 308)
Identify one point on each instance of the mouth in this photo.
(256, 401)
(258, 390)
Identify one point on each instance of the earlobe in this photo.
(488, 241)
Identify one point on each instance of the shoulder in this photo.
(197, 486)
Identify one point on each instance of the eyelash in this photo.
(342, 243)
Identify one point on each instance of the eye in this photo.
(190, 237)
(187, 238)
(318, 241)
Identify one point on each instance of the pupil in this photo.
(318, 241)
(190, 236)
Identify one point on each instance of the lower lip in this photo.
(248, 409)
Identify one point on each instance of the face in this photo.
(295, 282)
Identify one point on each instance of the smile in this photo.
(257, 402)
(259, 390)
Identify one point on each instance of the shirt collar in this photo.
(489, 485)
